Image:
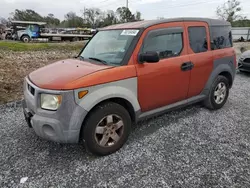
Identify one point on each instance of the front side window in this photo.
(198, 39)
(167, 45)
(109, 46)
(221, 37)
(34, 28)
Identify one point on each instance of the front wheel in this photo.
(25, 39)
(106, 129)
(218, 93)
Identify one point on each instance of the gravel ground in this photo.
(192, 147)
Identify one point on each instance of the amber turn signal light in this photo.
(81, 94)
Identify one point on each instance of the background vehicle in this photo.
(244, 61)
(36, 30)
(129, 72)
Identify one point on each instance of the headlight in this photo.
(50, 102)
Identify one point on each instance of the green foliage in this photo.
(51, 20)
(31, 15)
(72, 20)
(125, 15)
(3, 21)
(96, 18)
(241, 23)
(26, 15)
(109, 19)
(230, 11)
(92, 17)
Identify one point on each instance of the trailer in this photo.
(64, 37)
(34, 31)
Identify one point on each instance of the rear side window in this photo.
(221, 37)
(198, 39)
(167, 45)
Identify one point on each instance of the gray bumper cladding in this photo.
(63, 125)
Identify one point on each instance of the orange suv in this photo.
(128, 72)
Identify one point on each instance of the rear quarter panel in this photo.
(224, 60)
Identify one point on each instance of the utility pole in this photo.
(84, 10)
(127, 11)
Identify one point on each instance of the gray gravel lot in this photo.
(192, 147)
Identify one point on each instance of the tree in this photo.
(51, 20)
(241, 23)
(3, 21)
(93, 17)
(125, 15)
(26, 15)
(230, 11)
(109, 19)
(72, 20)
(138, 16)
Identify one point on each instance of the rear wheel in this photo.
(75, 39)
(218, 93)
(25, 38)
(106, 129)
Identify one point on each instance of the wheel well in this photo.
(123, 102)
(25, 35)
(228, 76)
(127, 105)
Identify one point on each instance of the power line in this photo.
(113, 3)
(175, 6)
(104, 1)
(159, 9)
(116, 3)
(184, 5)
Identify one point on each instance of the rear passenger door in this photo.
(200, 55)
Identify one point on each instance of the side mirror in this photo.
(149, 57)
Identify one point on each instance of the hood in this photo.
(55, 76)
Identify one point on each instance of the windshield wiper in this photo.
(96, 59)
(81, 58)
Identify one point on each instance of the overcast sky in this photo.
(150, 9)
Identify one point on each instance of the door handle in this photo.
(187, 66)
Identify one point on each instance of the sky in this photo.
(150, 9)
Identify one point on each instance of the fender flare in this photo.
(217, 71)
(101, 94)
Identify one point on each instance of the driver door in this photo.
(167, 81)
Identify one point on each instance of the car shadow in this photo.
(56, 151)
(242, 73)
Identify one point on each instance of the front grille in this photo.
(31, 89)
(242, 59)
(247, 60)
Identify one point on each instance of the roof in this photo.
(147, 23)
(29, 22)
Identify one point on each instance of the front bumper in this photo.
(63, 125)
(243, 66)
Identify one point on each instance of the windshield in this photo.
(34, 28)
(109, 46)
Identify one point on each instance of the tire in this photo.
(113, 113)
(25, 39)
(8, 37)
(75, 39)
(211, 102)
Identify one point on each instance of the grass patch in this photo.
(19, 46)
